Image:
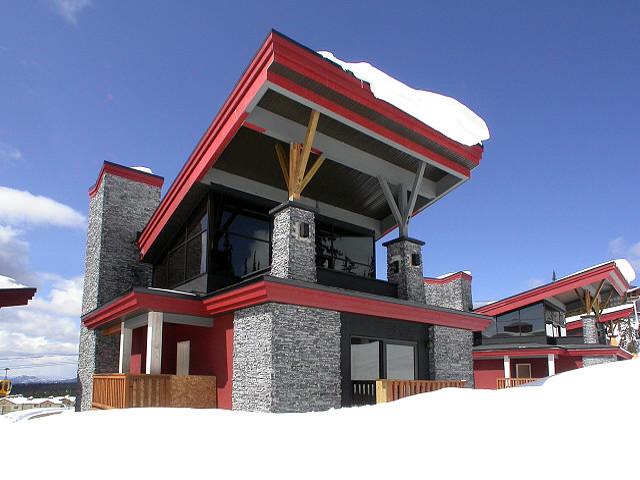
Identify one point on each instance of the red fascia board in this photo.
(224, 126)
(314, 97)
(450, 278)
(327, 73)
(14, 297)
(524, 352)
(125, 172)
(601, 352)
(266, 291)
(607, 317)
(549, 290)
(138, 302)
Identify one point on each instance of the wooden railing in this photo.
(390, 390)
(128, 391)
(513, 382)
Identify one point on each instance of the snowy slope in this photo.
(452, 433)
(444, 114)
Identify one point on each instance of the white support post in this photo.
(507, 367)
(551, 359)
(125, 348)
(154, 343)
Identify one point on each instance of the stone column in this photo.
(294, 242)
(404, 268)
(590, 334)
(450, 349)
(286, 358)
(119, 208)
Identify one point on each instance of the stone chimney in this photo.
(404, 268)
(120, 204)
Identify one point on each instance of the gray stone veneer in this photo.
(286, 358)
(450, 349)
(589, 361)
(589, 329)
(409, 278)
(117, 212)
(292, 255)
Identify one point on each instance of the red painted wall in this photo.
(211, 353)
(138, 350)
(564, 364)
(485, 372)
(539, 366)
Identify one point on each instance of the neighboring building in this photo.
(18, 403)
(258, 265)
(13, 294)
(556, 327)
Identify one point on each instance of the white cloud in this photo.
(8, 282)
(9, 154)
(13, 254)
(620, 248)
(70, 9)
(19, 207)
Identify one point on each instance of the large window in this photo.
(241, 241)
(524, 322)
(345, 250)
(186, 258)
(372, 359)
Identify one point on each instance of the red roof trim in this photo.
(447, 279)
(269, 291)
(233, 113)
(607, 317)
(13, 297)
(528, 352)
(324, 71)
(555, 288)
(136, 302)
(125, 172)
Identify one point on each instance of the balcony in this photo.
(513, 382)
(371, 392)
(120, 390)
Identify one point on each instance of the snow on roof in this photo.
(143, 169)
(8, 282)
(453, 273)
(461, 421)
(617, 308)
(442, 113)
(623, 265)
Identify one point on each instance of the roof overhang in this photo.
(269, 289)
(13, 297)
(288, 70)
(604, 317)
(562, 290)
(543, 351)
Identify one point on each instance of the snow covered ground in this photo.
(580, 424)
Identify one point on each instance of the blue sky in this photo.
(138, 82)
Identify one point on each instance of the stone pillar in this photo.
(404, 268)
(294, 242)
(120, 205)
(450, 349)
(590, 334)
(286, 358)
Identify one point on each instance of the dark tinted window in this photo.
(344, 250)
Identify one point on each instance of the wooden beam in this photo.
(282, 160)
(390, 200)
(292, 170)
(599, 289)
(414, 190)
(308, 143)
(312, 171)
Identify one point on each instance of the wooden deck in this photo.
(128, 391)
(513, 382)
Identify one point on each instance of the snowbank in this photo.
(8, 282)
(451, 433)
(442, 113)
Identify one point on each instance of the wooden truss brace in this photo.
(294, 166)
(400, 210)
(593, 303)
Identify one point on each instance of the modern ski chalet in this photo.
(569, 323)
(252, 283)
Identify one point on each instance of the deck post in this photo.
(125, 348)
(507, 367)
(551, 359)
(154, 343)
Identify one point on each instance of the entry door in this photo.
(182, 358)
